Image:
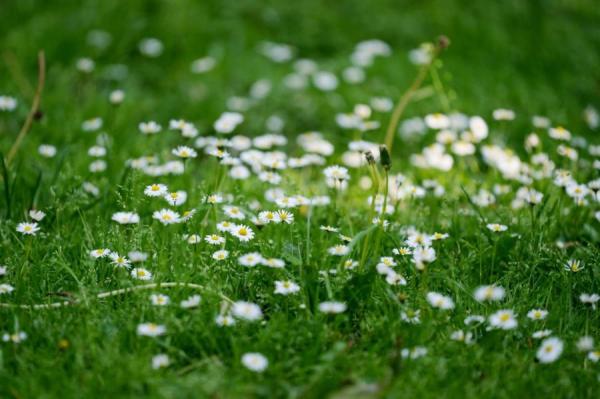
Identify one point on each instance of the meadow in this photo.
(313, 199)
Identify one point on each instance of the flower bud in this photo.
(384, 157)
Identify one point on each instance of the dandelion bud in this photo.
(384, 157)
(370, 157)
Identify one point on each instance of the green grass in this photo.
(536, 57)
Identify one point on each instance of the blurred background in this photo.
(533, 56)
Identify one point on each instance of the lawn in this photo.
(351, 199)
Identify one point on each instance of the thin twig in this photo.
(113, 293)
(408, 94)
(34, 107)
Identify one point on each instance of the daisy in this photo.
(350, 264)
(393, 278)
(118, 260)
(286, 287)
(417, 239)
(274, 263)
(151, 47)
(594, 356)
(246, 310)
(98, 166)
(227, 122)
(504, 319)
(160, 299)
(97, 151)
(336, 172)
(285, 216)
(141, 274)
(329, 229)
(151, 329)
(439, 236)
(187, 215)
(573, 266)
(345, 238)
(86, 65)
(266, 217)
(402, 251)
(6, 289)
(214, 199)
(550, 350)
(26, 228)
(220, 255)
(585, 343)
(541, 334)
(176, 198)
(411, 316)
(149, 127)
(177, 124)
(192, 239)
(166, 216)
(339, 250)
(191, 302)
(100, 253)
(559, 133)
(437, 121)
(537, 314)
(440, 301)
(160, 361)
(242, 233)
(224, 320)
(413, 353)
(239, 172)
(91, 125)
(255, 362)
(233, 212)
(489, 293)
(503, 114)
(423, 255)
(332, 307)
(156, 190)
(387, 261)
(137, 256)
(184, 152)
(126, 217)
(16, 338)
(214, 239)
(116, 97)
(91, 189)
(47, 150)
(36, 215)
(461, 336)
(251, 259)
(7, 103)
(225, 226)
(589, 299)
(496, 228)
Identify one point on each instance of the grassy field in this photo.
(225, 253)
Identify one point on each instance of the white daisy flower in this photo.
(140, 273)
(156, 190)
(26, 228)
(246, 310)
(151, 329)
(255, 362)
(550, 350)
(286, 287)
(504, 319)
